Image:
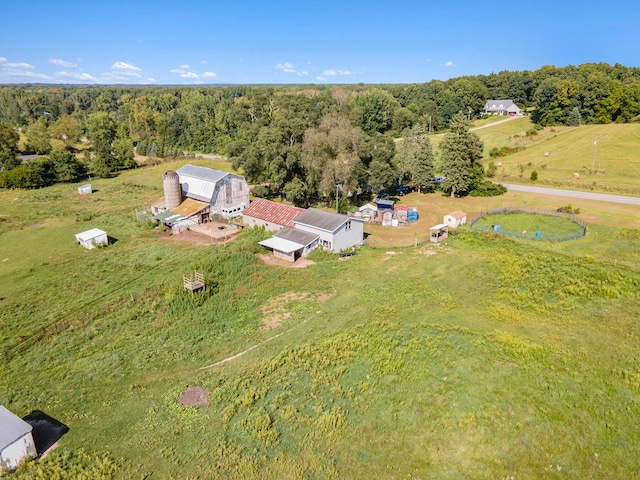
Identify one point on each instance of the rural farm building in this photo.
(290, 243)
(92, 238)
(500, 107)
(219, 193)
(84, 189)
(336, 232)
(368, 212)
(272, 216)
(226, 193)
(16, 440)
(437, 233)
(455, 219)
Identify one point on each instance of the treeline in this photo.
(288, 137)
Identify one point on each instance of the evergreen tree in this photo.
(423, 172)
(461, 151)
(574, 119)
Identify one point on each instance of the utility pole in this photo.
(337, 185)
(469, 115)
(429, 124)
(595, 148)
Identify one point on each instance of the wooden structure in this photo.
(194, 282)
(437, 233)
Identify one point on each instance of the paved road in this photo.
(601, 197)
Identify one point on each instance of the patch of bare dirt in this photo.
(194, 396)
(272, 260)
(188, 236)
(276, 310)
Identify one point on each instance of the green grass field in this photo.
(480, 358)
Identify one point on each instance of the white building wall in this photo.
(251, 222)
(11, 455)
(343, 239)
(239, 195)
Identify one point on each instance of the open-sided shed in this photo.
(437, 233)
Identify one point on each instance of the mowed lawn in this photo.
(478, 358)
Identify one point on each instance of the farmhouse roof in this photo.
(298, 236)
(323, 220)
(13, 427)
(90, 234)
(458, 214)
(498, 104)
(273, 212)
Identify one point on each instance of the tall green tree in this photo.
(9, 138)
(38, 137)
(461, 150)
(102, 132)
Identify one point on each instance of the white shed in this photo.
(92, 238)
(455, 219)
(84, 189)
(16, 441)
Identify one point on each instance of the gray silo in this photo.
(172, 189)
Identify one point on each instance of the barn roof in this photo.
(273, 212)
(201, 173)
(323, 220)
(189, 207)
(13, 428)
(199, 182)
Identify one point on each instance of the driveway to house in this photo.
(601, 197)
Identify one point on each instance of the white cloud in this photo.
(204, 62)
(186, 66)
(125, 68)
(208, 75)
(189, 75)
(449, 64)
(286, 66)
(289, 70)
(329, 73)
(3, 59)
(332, 73)
(18, 65)
(177, 70)
(303, 73)
(62, 63)
(322, 79)
(82, 77)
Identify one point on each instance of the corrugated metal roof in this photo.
(281, 245)
(298, 236)
(13, 427)
(90, 234)
(168, 217)
(323, 220)
(202, 173)
(189, 207)
(439, 226)
(368, 206)
(385, 203)
(273, 212)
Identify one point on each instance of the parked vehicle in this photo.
(404, 189)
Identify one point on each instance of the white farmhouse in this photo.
(500, 107)
(92, 238)
(16, 440)
(336, 232)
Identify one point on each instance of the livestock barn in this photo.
(16, 440)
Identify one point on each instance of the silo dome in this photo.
(172, 189)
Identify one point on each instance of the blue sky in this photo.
(306, 42)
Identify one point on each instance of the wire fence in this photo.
(580, 231)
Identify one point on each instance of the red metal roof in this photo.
(273, 212)
(458, 214)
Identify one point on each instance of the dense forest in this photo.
(293, 139)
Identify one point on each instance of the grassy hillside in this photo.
(481, 358)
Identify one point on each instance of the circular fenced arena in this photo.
(536, 224)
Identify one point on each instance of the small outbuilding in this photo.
(455, 219)
(368, 212)
(384, 204)
(437, 233)
(92, 238)
(290, 244)
(84, 189)
(16, 440)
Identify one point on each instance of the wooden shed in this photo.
(16, 440)
(437, 233)
(455, 219)
(92, 238)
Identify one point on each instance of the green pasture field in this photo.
(545, 224)
(480, 358)
(571, 150)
